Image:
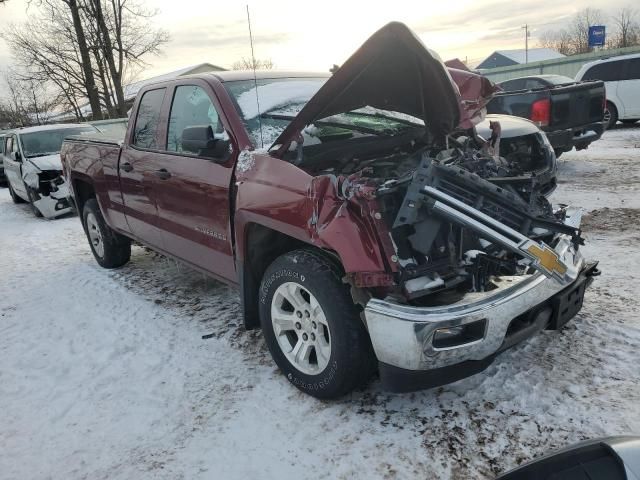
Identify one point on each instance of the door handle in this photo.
(163, 174)
(126, 166)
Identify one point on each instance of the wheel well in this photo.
(83, 192)
(262, 246)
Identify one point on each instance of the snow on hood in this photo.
(48, 162)
(392, 71)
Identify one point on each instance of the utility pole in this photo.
(526, 43)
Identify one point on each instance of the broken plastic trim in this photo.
(542, 257)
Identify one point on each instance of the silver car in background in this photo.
(31, 158)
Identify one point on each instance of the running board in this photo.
(543, 258)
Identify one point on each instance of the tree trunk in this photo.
(90, 84)
(116, 75)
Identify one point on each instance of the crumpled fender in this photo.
(281, 196)
(30, 175)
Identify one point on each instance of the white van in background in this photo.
(622, 82)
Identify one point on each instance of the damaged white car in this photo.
(31, 158)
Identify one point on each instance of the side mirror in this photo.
(200, 141)
(16, 156)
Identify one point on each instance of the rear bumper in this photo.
(579, 137)
(403, 336)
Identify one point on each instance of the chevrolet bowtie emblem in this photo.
(548, 259)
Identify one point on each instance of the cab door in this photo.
(138, 167)
(192, 193)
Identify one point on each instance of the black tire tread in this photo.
(613, 111)
(361, 361)
(14, 196)
(117, 248)
(34, 209)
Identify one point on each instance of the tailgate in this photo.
(576, 105)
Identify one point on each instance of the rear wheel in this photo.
(610, 116)
(312, 327)
(110, 249)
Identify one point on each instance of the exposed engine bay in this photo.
(459, 214)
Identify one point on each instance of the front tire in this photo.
(14, 196)
(34, 209)
(312, 327)
(110, 249)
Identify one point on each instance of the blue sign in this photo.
(596, 36)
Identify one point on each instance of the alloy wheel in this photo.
(95, 234)
(301, 328)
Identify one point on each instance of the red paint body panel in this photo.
(290, 207)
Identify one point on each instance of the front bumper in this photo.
(52, 201)
(403, 335)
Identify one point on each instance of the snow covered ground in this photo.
(104, 374)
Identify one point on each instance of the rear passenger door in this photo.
(138, 167)
(193, 195)
(628, 89)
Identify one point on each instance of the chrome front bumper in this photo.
(402, 335)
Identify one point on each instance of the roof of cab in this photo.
(240, 75)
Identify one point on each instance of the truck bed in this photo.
(576, 111)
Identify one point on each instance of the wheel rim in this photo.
(95, 235)
(301, 328)
(607, 116)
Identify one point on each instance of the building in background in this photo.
(506, 58)
(567, 66)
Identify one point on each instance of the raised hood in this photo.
(393, 71)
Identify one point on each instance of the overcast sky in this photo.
(313, 35)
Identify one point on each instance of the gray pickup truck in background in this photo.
(570, 113)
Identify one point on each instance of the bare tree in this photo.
(86, 49)
(579, 28)
(627, 28)
(575, 38)
(27, 103)
(45, 51)
(123, 37)
(251, 64)
(559, 41)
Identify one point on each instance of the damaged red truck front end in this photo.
(453, 253)
(390, 222)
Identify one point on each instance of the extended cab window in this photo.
(191, 108)
(144, 135)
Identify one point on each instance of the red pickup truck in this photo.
(378, 230)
